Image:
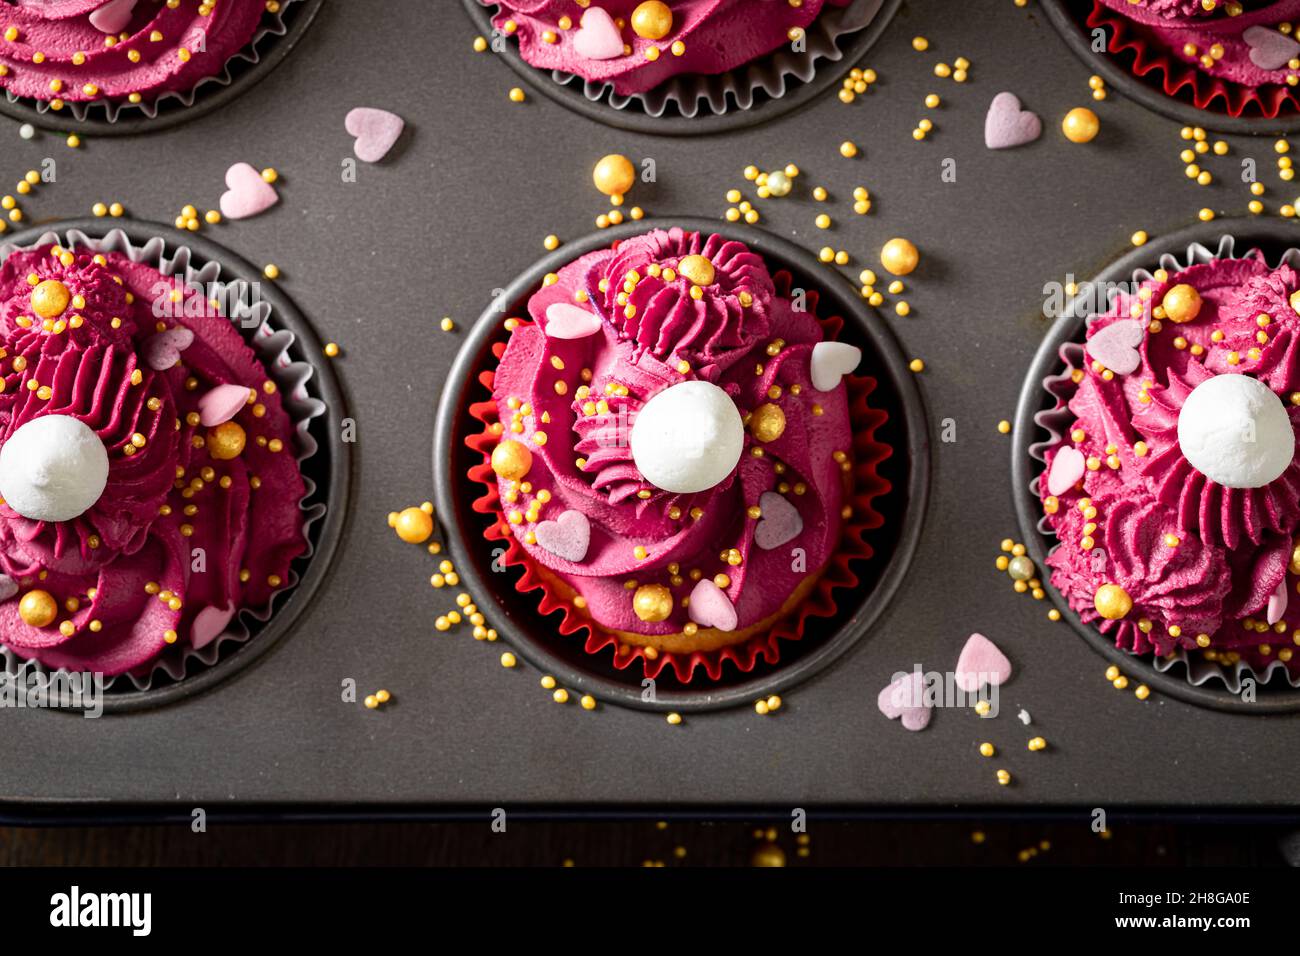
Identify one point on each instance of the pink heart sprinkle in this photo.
(1277, 602)
(905, 698)
(209, 624)
(710, 607)
(566, 537)
(221, 404)
(981, 663)
(780, 523)
(565, 321)
(375, 130)
(1068, 466)
(1269, 49)
(248, 193)
(1007, 125)
(113, 16)
(598, 38)
(163, 349)
(1116, 345)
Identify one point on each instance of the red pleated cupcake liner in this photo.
(838, 573)
(1130, 44)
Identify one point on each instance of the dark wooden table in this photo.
(528, 843)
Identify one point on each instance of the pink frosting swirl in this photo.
(714, 36)
(583, 395)
(58, 51)
(1199, 560)
(182, 526)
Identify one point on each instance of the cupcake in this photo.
(671, 454)
(122, 51)
(680, 60)
(1173, 488)
(1234, 56)
(634, 46)
(147, 466)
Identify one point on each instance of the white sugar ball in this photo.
(688, 437)
(1234, 430)
(53, 468)
(27, 131)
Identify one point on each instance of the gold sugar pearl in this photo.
(767, 422)
(38, 608)
(1181, 304)
(1080, 125)
(652, 603)
(413, 525)
(614, 174)
(899, 256)
(651, 20)
(226, 441)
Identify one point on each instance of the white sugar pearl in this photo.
(53, 468)
(1234, 430)
(688, 437)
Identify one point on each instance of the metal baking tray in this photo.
(459, 210)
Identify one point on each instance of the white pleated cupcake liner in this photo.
(272, 26)
(272, 346)
(1056, 422)
(737, 89)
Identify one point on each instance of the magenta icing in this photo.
(1174, 24)
(722, 337)
(136, 545)
(718, 35)
(60, 33)
(1234, 544)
